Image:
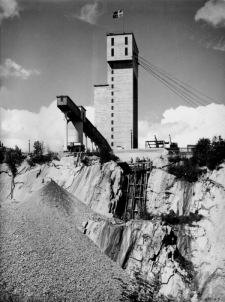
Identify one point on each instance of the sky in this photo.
(56, 47)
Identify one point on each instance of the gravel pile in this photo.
(45, 257)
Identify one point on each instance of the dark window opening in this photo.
(112, 144)
(111, 114)
(126, 51)
(112, 52)
(112, 86)
(112, 122)
(126, 40)
(112, 71)
(112, 100)
(112, 107)
(112, 41)
(112, 129)
(112, 136)
(112, 93)
(112, 79)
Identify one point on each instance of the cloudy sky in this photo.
(53, 47)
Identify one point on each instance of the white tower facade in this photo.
(116, 103)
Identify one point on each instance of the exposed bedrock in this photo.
(96, 186)
(204, 242)
(147, 248)
(187, 256)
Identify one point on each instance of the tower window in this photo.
(112, 41)
(111, 122)
(112, 93)
(112, 71)
(112, 100)
(112, 107)
(112, 129)
(112, 86)
(112, 144)
(126, 51)
(112, 136)
(126, 40)
(112, 52)
(112, 79)
(111, 114)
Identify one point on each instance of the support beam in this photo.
(65, 133)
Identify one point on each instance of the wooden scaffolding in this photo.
(135, 190)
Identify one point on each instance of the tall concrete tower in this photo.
(116, 103)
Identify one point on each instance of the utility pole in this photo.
(131, 139)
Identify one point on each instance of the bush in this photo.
(186, 170)
(210, 154)
(173, 219)
(13, 159)
(206, 154)
(106, 155)
(38, 149)
(38, 156)
(201, 152)
(2, 152)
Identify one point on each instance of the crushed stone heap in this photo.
(45, 257)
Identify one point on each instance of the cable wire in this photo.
(177, 90)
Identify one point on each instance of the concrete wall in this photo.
(122, 103)
(116, 106)
(102, 112)
(119, 48)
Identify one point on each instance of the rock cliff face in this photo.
(187, 258)
(95, 186)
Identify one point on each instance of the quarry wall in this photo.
(187, 258)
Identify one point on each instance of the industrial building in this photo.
(116, 103)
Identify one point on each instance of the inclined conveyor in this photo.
(78, 116)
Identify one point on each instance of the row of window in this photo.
(112, 101)
(126, 41)
(112, 52)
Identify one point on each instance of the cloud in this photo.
(185, 125)
(89, 13)
(20, 126)
(8, 9)
(11, 68)
(213, 12)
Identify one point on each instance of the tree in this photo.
(13, 159)
(201, 152)
(38, 149)
(206, 154)
(104, 154)
(2, 152)
(217, 153)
